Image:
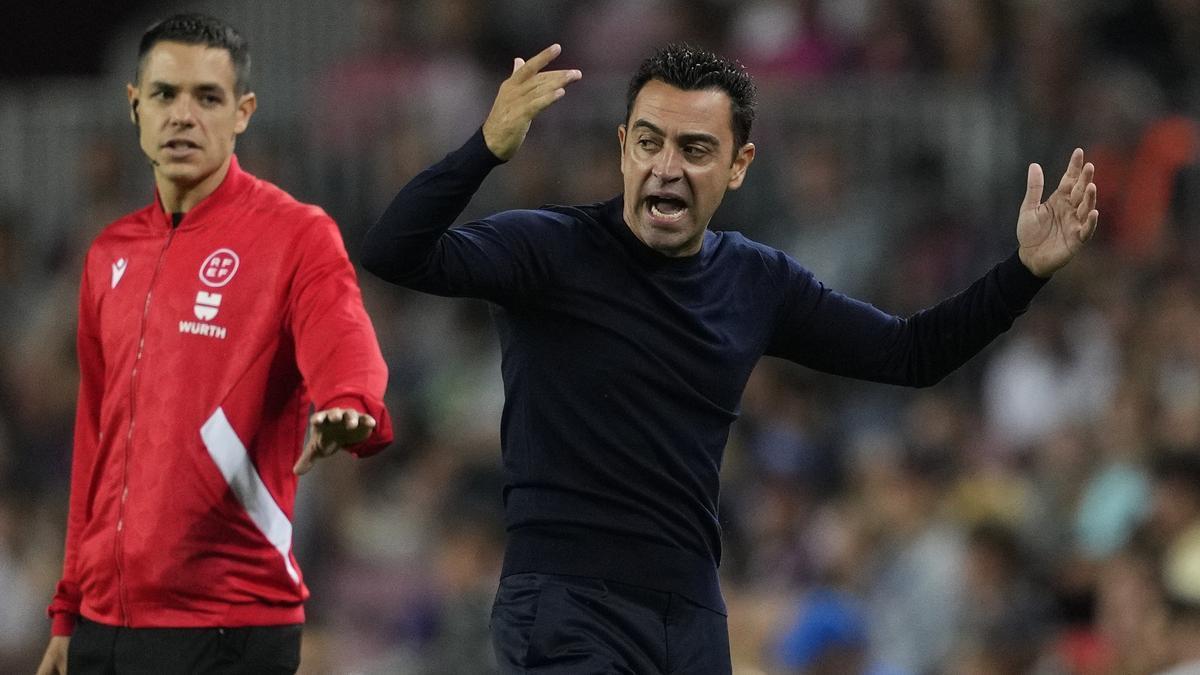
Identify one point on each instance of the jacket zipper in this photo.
(133, 381)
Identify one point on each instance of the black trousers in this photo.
(547, 623)
(99, 649)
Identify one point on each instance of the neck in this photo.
(178, 197)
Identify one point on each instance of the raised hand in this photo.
(1050, 234)
(330, 431)
(527, 92)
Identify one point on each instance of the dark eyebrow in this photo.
(646, 125)
(210, 89)
(205, 88)
(684, 139)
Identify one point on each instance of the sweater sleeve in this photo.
(64, 608)
(336, 348)
(413, 245)
(830, 332)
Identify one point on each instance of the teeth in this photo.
(668, 216)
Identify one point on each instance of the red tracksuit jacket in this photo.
(201, 348)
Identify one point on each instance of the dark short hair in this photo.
(199, 29)
(690, 68)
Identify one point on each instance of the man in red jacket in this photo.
(209, 322)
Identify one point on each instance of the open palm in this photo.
(1051, 233)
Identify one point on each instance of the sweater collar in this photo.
(613, 216)
(235, 183)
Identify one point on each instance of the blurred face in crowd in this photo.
(188, 114)
(677, 161)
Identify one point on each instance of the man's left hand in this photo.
(1050, 234)
(330, 431)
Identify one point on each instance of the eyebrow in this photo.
(684, 139)
(206, 87)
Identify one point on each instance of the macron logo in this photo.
(118, 270)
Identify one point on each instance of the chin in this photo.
(187, 173)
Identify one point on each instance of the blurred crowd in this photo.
(1036, 512)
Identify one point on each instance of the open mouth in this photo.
(180, 145)
(666, 208)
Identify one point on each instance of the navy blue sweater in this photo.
(623, 368)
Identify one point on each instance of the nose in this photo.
(667, 165)
(181, 111)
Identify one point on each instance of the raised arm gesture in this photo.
(1051, 233)
(527, 92)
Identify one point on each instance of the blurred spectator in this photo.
(822, 213)
(1004, 612)
(1181, 581)
(786, 39)
(914, 594)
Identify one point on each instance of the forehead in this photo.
(675, 110)
(183, 64)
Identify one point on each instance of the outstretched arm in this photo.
(1051, 233)
(410, 245)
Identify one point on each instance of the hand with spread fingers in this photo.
(1050, 234)
(527, 92)
(330, 431)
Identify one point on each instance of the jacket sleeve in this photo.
(64, 608)
(496, 259)
(830, 332)
(336, 349)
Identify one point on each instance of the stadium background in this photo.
(1039, 511)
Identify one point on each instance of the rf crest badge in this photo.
(218, 268)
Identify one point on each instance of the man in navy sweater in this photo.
(628, 331)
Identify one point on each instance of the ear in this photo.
(246, 106)
(741, 162)
(131, 93)
(621, 144)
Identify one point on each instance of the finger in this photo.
(367, 421)
(517, 63)
(1088, 230)
(1080, 187)
(351, 419)
(1087, 203)
(1034, 182)
(306, 456)
(535, 64)
(335, 415)
(1074, 168)
(551, 80)
(318, 418)
(540, 103)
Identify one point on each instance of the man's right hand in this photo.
(527, 92)
(54, 662)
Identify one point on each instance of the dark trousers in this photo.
(99, 649)
(548, 623)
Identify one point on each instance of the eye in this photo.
(210, 99)
(647, 143)
(162, 95)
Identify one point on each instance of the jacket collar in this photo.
(235, 184)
